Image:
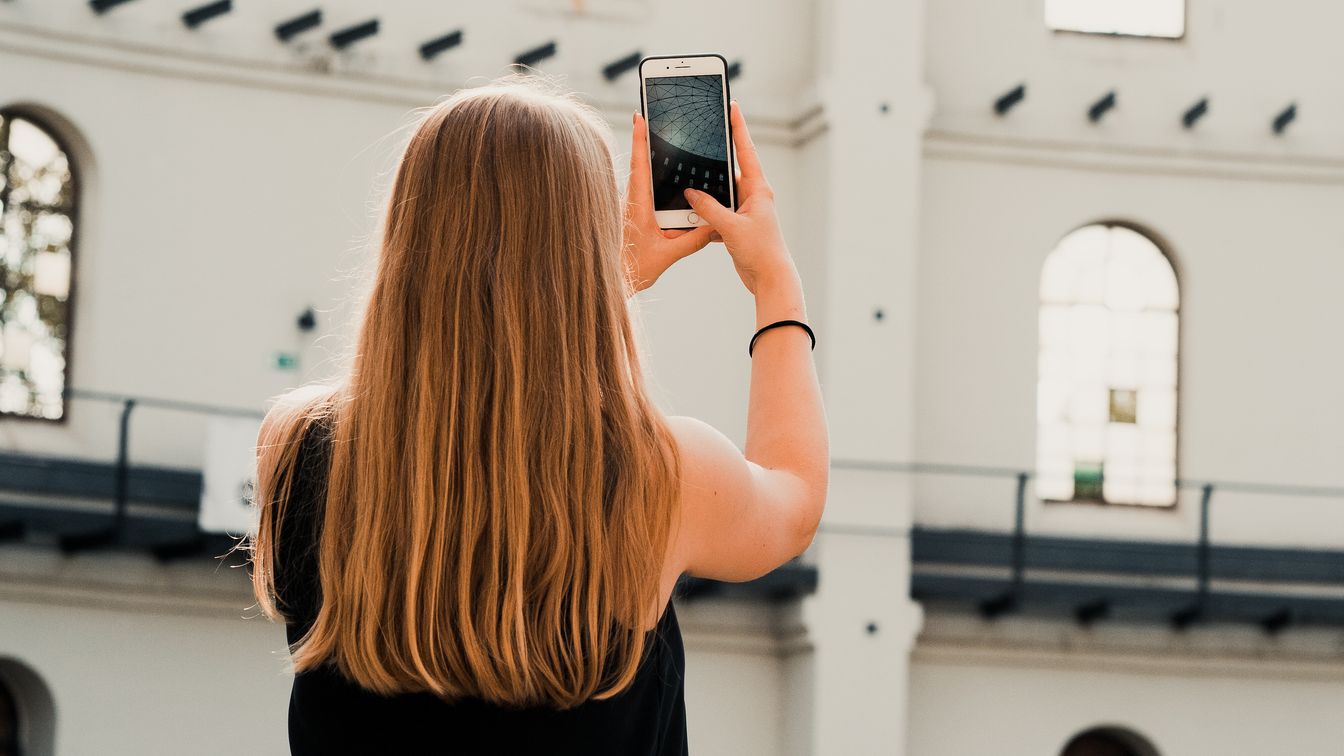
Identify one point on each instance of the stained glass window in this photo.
(1106, 390)
(37, 226)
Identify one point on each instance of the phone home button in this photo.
(692, 218)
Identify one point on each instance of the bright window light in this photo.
(1106, 392)
(1139, 18)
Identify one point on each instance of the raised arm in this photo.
(743, 514)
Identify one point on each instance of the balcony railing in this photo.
(1012, 570)
(78, 505)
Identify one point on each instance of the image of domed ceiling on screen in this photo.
(687, 138)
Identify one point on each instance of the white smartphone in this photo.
(685, 102)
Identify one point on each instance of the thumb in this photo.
(690, 242)
(709, 208)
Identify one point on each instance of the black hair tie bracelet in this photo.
(777, 324)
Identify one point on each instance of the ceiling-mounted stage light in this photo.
(102, 6)
(440, 44)
(1196, 112)
(734, 70)
(1287, 116)
(199, 15)
(614, 69)
(1100, 107)
(287, 30)
(352, 34)
(535, 55)
(1008, 100)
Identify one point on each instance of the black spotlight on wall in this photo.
(1194, 113)
(199, 15)
(1100, 107)
(614, 69)
(352, 34)
(307, 320)
(1008, 100)
(1287, 116)
(432, 48)
(536, 55)
(103, 6)
(287, 30)
(734, 70)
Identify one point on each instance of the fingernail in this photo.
(634, 117)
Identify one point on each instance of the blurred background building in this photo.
(1074, 267)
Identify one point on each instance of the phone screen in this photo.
(688, 139)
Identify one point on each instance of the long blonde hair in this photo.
(501, 490)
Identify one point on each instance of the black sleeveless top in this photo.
(329, 714)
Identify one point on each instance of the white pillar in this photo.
(861, 624)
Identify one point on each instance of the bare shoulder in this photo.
(717, 489)
(707, 455)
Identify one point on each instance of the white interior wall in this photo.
(1251, 59)
(231, 188)
(1249, 219)
(145, 659)
(964, 702)
(227, 188)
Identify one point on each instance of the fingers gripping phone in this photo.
(685, 102)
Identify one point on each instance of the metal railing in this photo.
(1010, 599)
(1007, 601)
(112, 532)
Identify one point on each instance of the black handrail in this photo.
(988, 471)
(993, 607)
(1010, 599)
(158, 403)
(112, 533)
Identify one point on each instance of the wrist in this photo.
(780, 298)
(779, 278)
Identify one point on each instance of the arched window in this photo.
(1108, 741)
(37, 228)
(9, 722)
(27, 712)
(1106, 389)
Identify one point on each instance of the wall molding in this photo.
(1067, 653)
(1093, 157)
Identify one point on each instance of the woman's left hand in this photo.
(649, 250)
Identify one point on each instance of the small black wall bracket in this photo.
(1008, 100)
(287, 30)
(1195, 112)
(536, 55)
(434, 47)
(1101, 107)
(352, 34)
(613, 70)
(202, 13)
(1285, 117)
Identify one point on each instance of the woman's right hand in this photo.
(752, 234)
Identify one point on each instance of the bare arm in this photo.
(743, 514)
